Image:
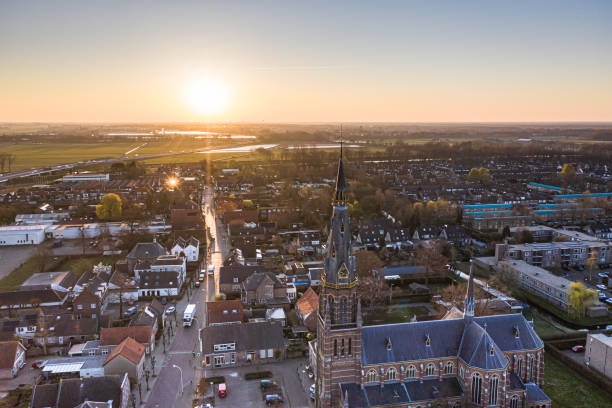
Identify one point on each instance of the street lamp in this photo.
(181, 372)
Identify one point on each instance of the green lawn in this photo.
(567, 390)
(73, 264)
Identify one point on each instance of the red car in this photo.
(222, 390)
(578, 349)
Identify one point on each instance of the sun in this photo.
(208, 96)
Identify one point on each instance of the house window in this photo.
(371, 377)
(232, 358)
(476, 388)
(93, 305)
(493, 395)
(391, 374)
(430, 369)
(270, 353)
(262, 353)
(104, 352)
(80, 307)
(411, 372)
(92, 352)
(449, 368)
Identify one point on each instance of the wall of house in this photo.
(120, 365)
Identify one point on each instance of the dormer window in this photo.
(516, 332)
(388, 343)
(427, 340)
(492, 351)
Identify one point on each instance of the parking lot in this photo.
(241, 393)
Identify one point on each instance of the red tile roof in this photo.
(8, 351)
(128, 348)
(224, 311)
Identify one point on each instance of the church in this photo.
(489, 361)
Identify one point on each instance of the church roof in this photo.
(449, 338)
(340, 192)
(479, 350)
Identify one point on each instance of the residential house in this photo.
(12, 358)
(122, 288)
(306, 308)
(61, 330)
(86, 304)
(235, 344)
(112, 336)
(144, 252)
(232, 276)
(262, 287)
(111, 391)
(381, 232)
(224, 312)
(185, 215)
(127, 357)
(190, 249)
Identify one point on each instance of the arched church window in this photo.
(514, 402)
(371, 377)
(411, 372)
(391, 374)
(342, 317)
(430, 369)
(493, 395)
(476, 388)
(449, 368)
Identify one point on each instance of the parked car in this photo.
(578, 349)
(197, 284)
(131, 311)
(222, 390)
(609, 301)
(602, 287)
(38, 364)
(170, 310)
(273, 399)
(602, 296)
(312, 392)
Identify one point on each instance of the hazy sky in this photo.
(307, 60)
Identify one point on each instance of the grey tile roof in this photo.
(44, 395)
(515, 382)
(535, 394)
(255, 280)
(433, 389)
(393, 393)
(408, 341)
(477, 349)
(247, 336)
(241, 272)
(146, 250)
(501, 329)
(73, 392)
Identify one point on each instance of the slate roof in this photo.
(122, 280)
(72, 392)
(44, 395)
(157, 280)
(247, 336)
(479, 350)
(241, 272)
(256, 279)
(147, 250)
(19, 297)
(408, 340)
(535, 394)
(393, 393)
(44, 280)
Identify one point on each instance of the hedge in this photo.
(257, 375)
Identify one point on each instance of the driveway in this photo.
(27, 375)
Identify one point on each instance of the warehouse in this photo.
(22, 234)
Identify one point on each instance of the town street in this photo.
(166, 390)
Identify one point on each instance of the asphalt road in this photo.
(166, 391)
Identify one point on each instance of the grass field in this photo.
(568, 390)
(31, 155)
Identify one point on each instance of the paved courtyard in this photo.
(241, 393)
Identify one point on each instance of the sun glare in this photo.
(207, 96)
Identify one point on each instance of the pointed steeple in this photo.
(340, 192)
(468, 311)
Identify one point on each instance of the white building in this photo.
(598, 353)
(86, 177)
(22, 234)
(190, 248)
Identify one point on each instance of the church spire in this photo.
(468, 311)
(340, 192)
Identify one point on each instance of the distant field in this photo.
(31, 155)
